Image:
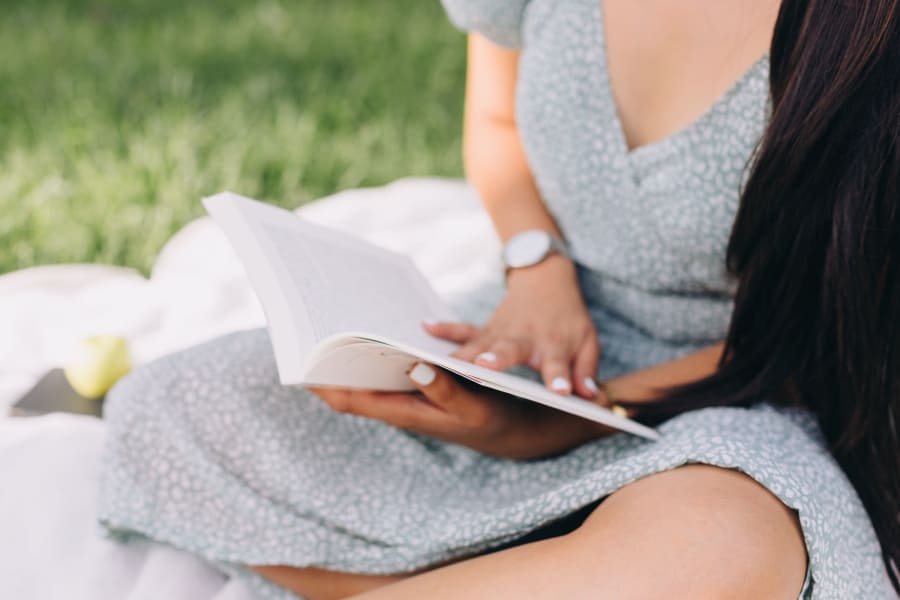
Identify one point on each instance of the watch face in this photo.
(528, 248)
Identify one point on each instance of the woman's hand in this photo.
(542, 322)
(486, 421)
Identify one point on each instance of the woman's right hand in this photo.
(542, 322)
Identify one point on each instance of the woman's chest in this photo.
(658, 216)
(669, 61)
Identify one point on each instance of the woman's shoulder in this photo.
(498, 20)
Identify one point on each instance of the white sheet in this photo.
(49, 546)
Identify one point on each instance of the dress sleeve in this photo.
(498, 20)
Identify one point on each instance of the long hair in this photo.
(816, 250)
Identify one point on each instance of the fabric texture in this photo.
(197, 291)
(208, 453)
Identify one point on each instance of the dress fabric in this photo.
(207, 452)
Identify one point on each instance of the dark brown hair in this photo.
(816, 249)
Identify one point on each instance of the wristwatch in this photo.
(531, 247)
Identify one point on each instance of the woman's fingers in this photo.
(444, 407)
(403, 410)
(472, 339)
(473, 348)
(584, 368)
(556, 369)
(505, 353)
(447, 394)
(338, 399)
(454, 332)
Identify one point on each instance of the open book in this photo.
(343, 312)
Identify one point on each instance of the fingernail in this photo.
(560, 384)
(487, 357)
(591, 385)
(423, 374)
(430, 322)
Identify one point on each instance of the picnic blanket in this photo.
(51, 547)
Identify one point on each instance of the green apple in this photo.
(97, 363)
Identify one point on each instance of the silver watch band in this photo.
(559, 247)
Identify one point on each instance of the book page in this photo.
(365, 363)
(315, 282)
(345, 287)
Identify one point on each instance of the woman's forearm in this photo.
(647, 384)
(556, 431)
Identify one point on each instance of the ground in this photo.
(117, 116)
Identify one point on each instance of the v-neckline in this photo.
(606, 84)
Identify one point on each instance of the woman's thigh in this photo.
(696, 531)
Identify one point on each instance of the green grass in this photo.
(117, 116)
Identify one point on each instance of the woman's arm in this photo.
(645, 385)
(542, 320)
(496, 424)
(492, 150)
(561, 431)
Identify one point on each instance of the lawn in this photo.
(116, 116)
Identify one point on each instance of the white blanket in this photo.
(49, 545)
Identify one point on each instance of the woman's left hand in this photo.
(480, 419)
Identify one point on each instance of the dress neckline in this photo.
(651, 148)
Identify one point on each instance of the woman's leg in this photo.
(318, 584)
(694, 532)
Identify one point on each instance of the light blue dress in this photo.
(207, 452)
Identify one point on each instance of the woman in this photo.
(628, 142)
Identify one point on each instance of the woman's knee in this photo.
(697, 531)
